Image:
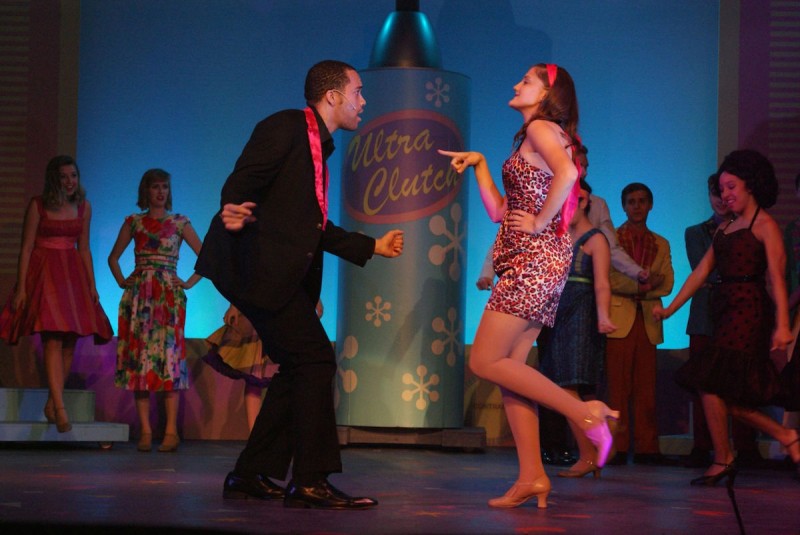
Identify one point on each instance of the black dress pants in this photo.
(297, 421)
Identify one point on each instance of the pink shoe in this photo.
(597, 431)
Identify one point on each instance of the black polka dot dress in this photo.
(738, 367)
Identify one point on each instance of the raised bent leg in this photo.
(499, 352)
(788, 437)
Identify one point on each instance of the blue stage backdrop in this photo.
(180, 85)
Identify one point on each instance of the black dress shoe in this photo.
(323, 495)
(256, 486)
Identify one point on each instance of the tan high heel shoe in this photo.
(521, 492)
(62, 420)
(169, 444)
(590, 468)
(597, 431)
(145, 442)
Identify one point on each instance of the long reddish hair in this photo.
(559, 105)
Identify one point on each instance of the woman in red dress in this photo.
(55, 295)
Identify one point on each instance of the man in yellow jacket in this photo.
(631, 349)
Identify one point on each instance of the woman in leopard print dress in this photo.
(532, 255)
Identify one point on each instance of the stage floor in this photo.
(72, 488)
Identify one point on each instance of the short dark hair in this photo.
(713, 184)
(582, 157)
(324, 76)
(148, 178)
(585, 186)
(636, 186)
(756, 171)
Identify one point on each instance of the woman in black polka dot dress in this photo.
(737, 375)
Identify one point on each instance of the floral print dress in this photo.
(151, 348)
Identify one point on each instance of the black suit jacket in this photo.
(266, 262)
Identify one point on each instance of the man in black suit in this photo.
(264, 254)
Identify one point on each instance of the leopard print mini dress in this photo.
(532, 270)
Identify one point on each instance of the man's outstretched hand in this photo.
(390, 244)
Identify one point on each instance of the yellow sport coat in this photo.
(624, 292)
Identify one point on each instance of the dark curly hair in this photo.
(756, 171)
(559, 105)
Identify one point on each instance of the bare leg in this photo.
(252, 403)
(142, 400)
(171, 403)
(54, 353)
(498, 354)
(54, 369)
(523, 420)
(532, 481)
(171, 439)
(522, 417)
(524, 423)
(67, 355)
(716, 412)
(586, 450)
(786, 436)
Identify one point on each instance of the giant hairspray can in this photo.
(400, 333)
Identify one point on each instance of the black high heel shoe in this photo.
(730, 472)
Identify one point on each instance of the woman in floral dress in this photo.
(151, 348)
